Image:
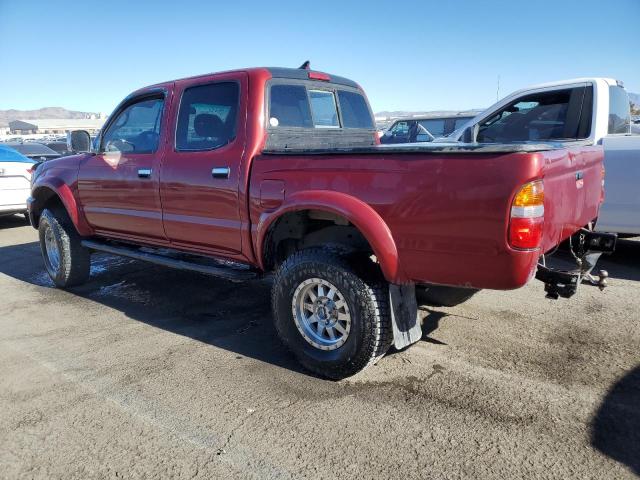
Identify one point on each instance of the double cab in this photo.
(276, 170)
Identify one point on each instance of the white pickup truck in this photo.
(594, 110)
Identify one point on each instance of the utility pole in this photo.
(498, 89)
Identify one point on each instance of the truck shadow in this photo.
(233, 316)
(624, 263)
(12, 221)
(615, 428)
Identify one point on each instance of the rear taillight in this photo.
(602, 185)
(527, 216)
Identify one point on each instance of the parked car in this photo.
(416, 130)
(60, 148)
(592, 110)
(241, 173)
(35, 151)
(15, 179)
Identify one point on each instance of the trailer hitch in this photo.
(585, 249)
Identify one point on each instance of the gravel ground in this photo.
(150, 372)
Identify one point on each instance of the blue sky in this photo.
(423, 55)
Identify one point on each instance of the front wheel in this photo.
(333, 316)
(66, 260)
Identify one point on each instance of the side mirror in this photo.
(79, 141)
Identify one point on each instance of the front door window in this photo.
(136, 129)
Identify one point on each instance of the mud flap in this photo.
(404, 315)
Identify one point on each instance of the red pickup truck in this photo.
(279, 170)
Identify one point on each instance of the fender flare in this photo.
(64, 193)
(361, 215)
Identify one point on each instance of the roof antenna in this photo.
(305, 66)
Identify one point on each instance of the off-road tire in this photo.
(75, 260)
(441, 296)
(367, 295)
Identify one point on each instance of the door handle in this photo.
(220, 172)
(144, 172)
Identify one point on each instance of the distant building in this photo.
(20, 127)
(55, 125)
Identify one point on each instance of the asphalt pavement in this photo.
(147, 372)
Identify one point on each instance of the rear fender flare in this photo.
(361, 215)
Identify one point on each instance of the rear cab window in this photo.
(317, 107)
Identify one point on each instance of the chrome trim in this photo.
(144, 172)
(220, 172)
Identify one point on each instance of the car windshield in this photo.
(8, 154)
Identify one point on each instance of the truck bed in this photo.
(448, 206)
(453, 148)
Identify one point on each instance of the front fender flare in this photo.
(361, 215)
(60, 189)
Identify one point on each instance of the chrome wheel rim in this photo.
(321, 314)
(51, 246)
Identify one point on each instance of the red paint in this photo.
(429, 217)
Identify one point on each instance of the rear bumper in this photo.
(494, 269)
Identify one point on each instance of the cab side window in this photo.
(539, 116)
(207, 117)
(554, 115)
(136, 129)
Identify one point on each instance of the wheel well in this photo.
(302, 229)
(45, 198)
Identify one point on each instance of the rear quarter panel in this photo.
(573, 191)
(448, 213)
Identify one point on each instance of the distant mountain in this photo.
(7, 116)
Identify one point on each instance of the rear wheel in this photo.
(66, 260)
(333, 316)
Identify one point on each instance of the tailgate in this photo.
(573, 191)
